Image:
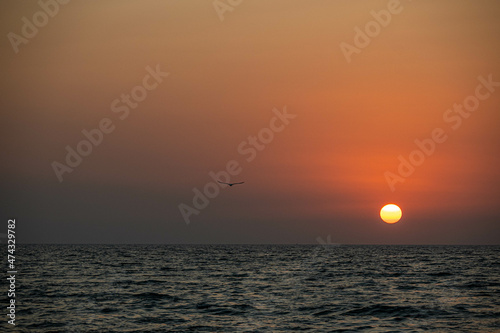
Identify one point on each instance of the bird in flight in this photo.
(230, 184)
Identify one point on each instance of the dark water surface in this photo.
(256, 288)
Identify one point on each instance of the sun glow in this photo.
(390, 213)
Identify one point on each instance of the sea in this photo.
(256, 288)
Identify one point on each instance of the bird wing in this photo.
(231, 184)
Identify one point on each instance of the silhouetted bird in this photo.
(231, 184)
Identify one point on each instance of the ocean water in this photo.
(256, 288)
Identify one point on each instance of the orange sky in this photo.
(323, 174)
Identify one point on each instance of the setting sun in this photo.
(390, 213)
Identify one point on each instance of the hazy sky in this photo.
(359, 100)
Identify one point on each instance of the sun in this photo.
(390, 213)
